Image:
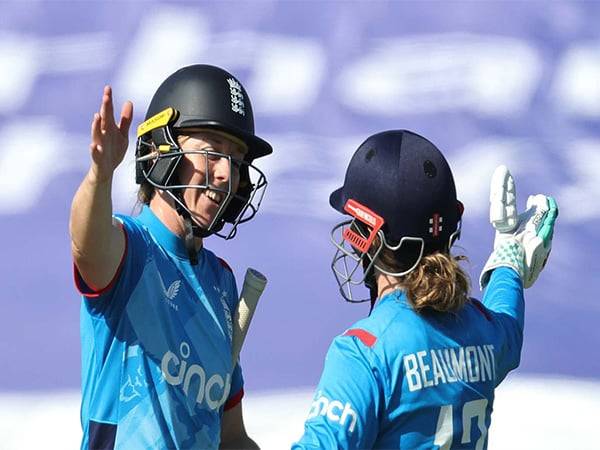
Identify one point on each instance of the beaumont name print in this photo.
(431, 367)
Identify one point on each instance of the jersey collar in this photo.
(397, 295)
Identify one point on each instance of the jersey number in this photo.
(444, 431)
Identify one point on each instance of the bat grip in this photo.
(254, 284)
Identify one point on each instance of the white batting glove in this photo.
(523, 241)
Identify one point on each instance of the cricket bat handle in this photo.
(254, 285)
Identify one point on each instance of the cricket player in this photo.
(420, 371)
(156, 316)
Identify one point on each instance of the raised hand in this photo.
(109, 141)
(523, 241)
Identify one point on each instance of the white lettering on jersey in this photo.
(448, 367)
(335, 411)
(427, 368)
(485, 360)
(410, 371)
(438, 373)
(424, 369)
(186, 374)
(472, 368)
(458, 363)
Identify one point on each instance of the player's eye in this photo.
(211, 154)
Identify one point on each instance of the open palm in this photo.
(108, 140)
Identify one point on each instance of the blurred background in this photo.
(489, 82)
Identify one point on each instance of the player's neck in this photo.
(164, 209)
(387, 284)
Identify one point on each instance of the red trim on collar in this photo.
(366, 338)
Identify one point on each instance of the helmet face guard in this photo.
(158, 156)
(355, 256)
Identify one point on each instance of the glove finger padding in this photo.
(523, 242)
(537, 238)
(503, 200)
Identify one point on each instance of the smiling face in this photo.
(216, 171)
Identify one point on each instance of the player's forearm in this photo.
(91, 227)
(91, 213)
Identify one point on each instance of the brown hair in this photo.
(145, 193)
(438, 282)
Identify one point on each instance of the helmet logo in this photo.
(165, 117)
(435, 223)
(237, 97)
(366, 216)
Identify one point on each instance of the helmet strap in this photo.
(189, 241)
(192, 230)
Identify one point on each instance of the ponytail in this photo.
(438, 282)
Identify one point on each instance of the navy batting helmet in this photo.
(398, 186)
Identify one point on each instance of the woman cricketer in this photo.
(420, 371)
(156, 314)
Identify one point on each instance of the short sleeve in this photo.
(116, 293)
(346, 408)
(237, 388)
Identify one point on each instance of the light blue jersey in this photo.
(401, 379)
(156, 346)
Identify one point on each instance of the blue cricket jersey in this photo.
(408, 380)
(156, 346)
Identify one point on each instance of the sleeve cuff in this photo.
(92, 291)
(234, 400)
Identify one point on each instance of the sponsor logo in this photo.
(334, 411)
(211, 391)
(170, 293)
(173, 290)
(368, 218)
